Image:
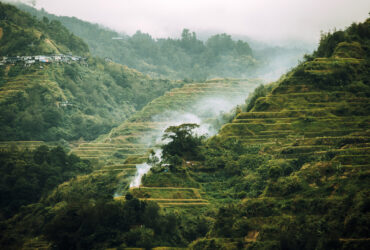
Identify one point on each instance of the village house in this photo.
(28, 60)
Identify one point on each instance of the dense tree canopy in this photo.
(26, 176)
(182, 143)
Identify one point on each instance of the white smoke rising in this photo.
(198, 113)
(279, 60)
(175, 118)
(203, 129)
(141, 169)
(215, 106)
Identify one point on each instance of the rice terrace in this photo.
(158, 124)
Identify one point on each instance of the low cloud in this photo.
(267, 20)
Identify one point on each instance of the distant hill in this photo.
(188, 57)
(62, 100)
(21, 34)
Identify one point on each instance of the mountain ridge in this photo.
(183, 58)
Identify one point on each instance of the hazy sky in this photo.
(266, 20)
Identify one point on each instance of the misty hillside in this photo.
(190, 57)
(293, 171)
(62, 97)
(101, 148)
(207, 103)
(289, 168)
(184, 58)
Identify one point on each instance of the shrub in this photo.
(183, 143)
(140, 237)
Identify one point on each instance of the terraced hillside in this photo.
(194, 102)
(21, 145)
(169, 196)
(129, 144)
(304, 158)
(293, 172)
(289, 170)
(303, 120)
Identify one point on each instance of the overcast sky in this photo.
(267, 20)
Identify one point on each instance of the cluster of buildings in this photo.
(64, 104)
(28, 60)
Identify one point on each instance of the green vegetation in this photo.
(72, 101)
(291, 154)
(287, 170)
(295, 166)
(81, 205)
(185, 58)
(23, 35)
(260, 91)
(183, 143)
(65, 100)
(26, 176)
(129, 141)
(81, 213)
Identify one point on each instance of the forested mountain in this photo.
(62, 97)
(184, 58)
(290, 170)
